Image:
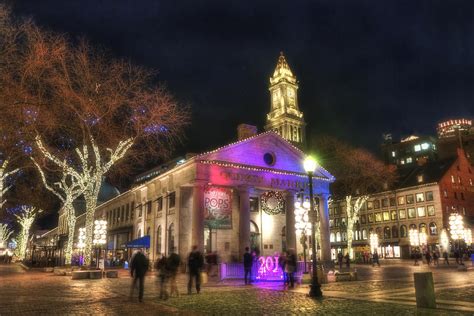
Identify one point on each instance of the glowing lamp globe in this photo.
(310, 164)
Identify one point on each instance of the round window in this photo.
(269, 158)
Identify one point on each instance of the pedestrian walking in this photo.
(428, 257)
(138, 269)
(195, 264)
(248, 262)
(348, 261)
(375, 259)
(282, 264)
(415, 256)
(291, 264)
(161, 266)
(339, 259)
(435, 258)
(446, 257)
(174, 260)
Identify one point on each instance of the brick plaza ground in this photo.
(387, 290)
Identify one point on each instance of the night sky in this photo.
(364, 67)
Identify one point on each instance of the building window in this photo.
(413, 226)
(419, 178)
(344, 236)
(410, 199)
(417, 148)
(337, 221)
(378, 217)
(420, 197)
(254, 204)
(170, 238)
(385, 202)
(393, 201)
(394, 231)
(331, 237)
(452, 179)
(394, 154)
(462, 196)
(470, 182)
(370, 205)
(423, 228)
(159, 204)
(433, 229)
(459, 180)
(409, 160)
(363, 219)
(445, 193)
(386, 216)
(403, 231)
(158, 240)
(429, 195)
(455, 195)
(376, 204)
(370, 217)
(364, 234)
(331, 223)
(431, 210)
(394, 215)
(421, 211)
(387, 233)
(140, 209)
(411, 213)
(378, 231)
(148, 207)
(172, 200)
(402, 214)
(401, 200)
(338, 237)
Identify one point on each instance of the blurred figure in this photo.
(248, 262)
(282, 264)
(161, 266)
(139, 267)
(428, 257)
(291, 264)
(195, 264)
(446, 257)
(375, 259)
(435, 257)
(348, 261)
(340, 257)
(174, 260)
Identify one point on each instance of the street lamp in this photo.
(302, 224)
(310, 167)
(100, 235)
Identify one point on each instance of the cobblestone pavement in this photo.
(33, 293)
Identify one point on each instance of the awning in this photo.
(143, 242)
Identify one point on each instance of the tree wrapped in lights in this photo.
(358, 173)
(468, 236)
(444, 239)
(456, 226)
(5, 234)
(374, 242)
(25, 216)
(414, 237)
(83, 113)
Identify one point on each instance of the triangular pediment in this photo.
(266, 150)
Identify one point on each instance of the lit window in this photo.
(470, 182)
(419, 178)
(402, 162)
(421, 211)
(409, 160)
(417, 147)
(425, 146)
(394, 154)
(452, 179)
(420, 197)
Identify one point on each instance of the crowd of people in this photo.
(432, 257)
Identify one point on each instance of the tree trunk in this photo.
(91, 194)
(71, 220)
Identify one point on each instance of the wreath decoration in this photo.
(272, 202)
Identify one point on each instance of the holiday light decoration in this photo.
(423, 238)
(456, 226)
(414, 237)
(81, 238)
(272, 202)
(444, 239)
(468, 236)
(100, 232)
(4, 174)
(352, 211)
(374, 242)
(5, 234)
(25, 217)
(302, 224)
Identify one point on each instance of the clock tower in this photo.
(284, 117)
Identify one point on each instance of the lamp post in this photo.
(100, 235)
(310, 166)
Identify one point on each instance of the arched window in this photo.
(413, 226)
(170, 238)
(433, 229)
(344, 236)
(364, 234)
(332, 238)
(158, 240)
(423, 228)
(394, 231)
(378, 231)
(139, 233)
(254, 236)
(387, 233)
(403, 231)
(338, 236)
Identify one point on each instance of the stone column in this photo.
(197, 217)
(244, 220)
(290, 220)
(324, 226)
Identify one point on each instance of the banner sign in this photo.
(217, 208)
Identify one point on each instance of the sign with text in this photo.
(218, 208)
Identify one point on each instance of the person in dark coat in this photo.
(446, 257)
(174, 260)
(161, 266)
(248, 262)
(348, 260)
(195, 264)
(282, 264)
(138, 269)
(375, 259)
(340, 256)
(291, 264)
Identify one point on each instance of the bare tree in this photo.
(358, 173)
(84, 112)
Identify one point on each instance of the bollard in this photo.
(424, 290)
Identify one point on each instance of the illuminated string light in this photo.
(5, 234)
(444, 240)
(468, 236)
(25, 218)
(456, 226)
(374, 242)
(4, 174)
(352, 212)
